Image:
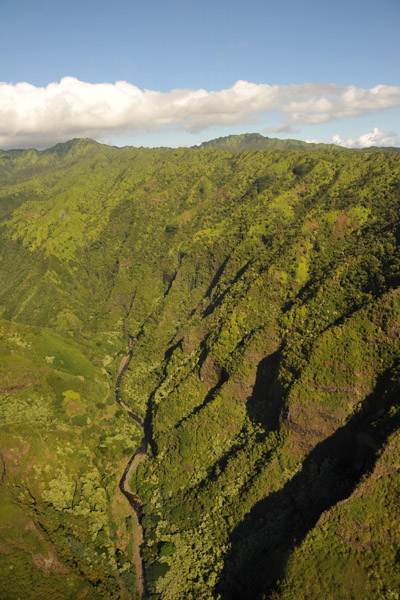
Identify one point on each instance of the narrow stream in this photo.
(139, 455)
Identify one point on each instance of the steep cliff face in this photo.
(262, 291)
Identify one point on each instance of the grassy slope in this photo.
(262, 288)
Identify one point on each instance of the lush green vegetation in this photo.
(256, 141)
(263, 290)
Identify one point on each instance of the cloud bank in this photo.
(374, 138)
(41, 116)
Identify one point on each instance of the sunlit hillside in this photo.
(243, 308)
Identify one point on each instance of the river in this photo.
(139, 455)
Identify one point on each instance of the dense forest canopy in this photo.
(246, 305)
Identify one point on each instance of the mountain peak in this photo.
(256, 141)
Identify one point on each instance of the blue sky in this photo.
(191, 46)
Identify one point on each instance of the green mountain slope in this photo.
(256, 141)
(258, 296)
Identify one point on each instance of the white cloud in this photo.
(374, 138)
(40, 116)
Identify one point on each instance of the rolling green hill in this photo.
(246, 305)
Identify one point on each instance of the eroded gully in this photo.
(138, 457)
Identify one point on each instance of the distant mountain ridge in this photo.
(256, 141)
(234, 143)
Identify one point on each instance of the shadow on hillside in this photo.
(217, 300)
(263, 541)
(265, 404)
(212, 392)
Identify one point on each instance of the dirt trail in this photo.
(139, 455)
